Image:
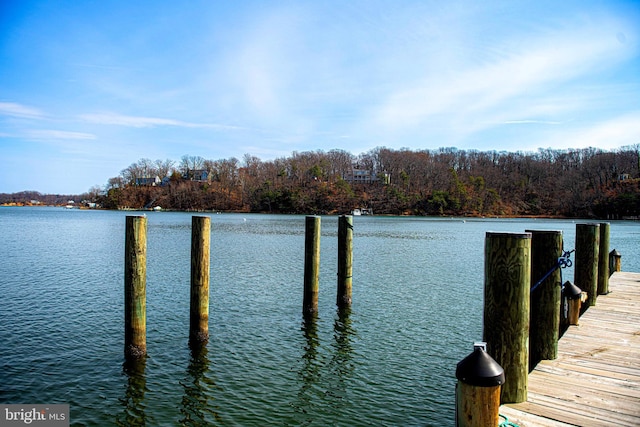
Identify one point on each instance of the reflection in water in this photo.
(195, 406)
(133, 400)
(310, 372)
(325, 378)
(340, 364)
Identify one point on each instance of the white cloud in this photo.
(533, 80)
(145, 122)
(261, 66)
(528, 122)
(48, 134)
(608, 134)
(18, 110)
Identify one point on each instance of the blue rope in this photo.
(563, 262)
(506, 422)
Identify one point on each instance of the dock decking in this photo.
(595, 381)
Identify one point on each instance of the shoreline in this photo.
(64, 206)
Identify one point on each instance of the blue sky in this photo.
(89, 87)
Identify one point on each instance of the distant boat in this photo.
(364, 211)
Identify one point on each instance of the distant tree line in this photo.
(571, 183)
(37, 198)
(567, 183)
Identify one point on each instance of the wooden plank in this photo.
(572, 413)
(550, 377)
(596, 369)
(524, 419)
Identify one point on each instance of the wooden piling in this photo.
(586, 266)
(311, 264)
(573, 311)
(615, 261)
(200, 256)
(135, 287)
(478, 389)
(506, 308)
(544, 330)
(345, 260)
(603, 259)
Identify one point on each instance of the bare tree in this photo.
(164, 167)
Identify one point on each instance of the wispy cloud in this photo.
(21, 111)
(531, 122)
(606, 134)
(519, 85)
(147, 122)
(51, 134)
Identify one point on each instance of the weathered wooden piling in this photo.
(478, 389)
(311, 264)
(603, 259)
(615, 261)
(135, 287)
(506, 308)
(544, 330)
(200, 260)
(586, 266)
(345, 260)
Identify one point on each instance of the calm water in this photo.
(417, 308)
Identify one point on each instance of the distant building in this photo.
(148, 181)
(359, 175)
(197, 175)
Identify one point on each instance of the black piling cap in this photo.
(571, 291)
(480, 369)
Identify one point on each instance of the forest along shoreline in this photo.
(583, 183)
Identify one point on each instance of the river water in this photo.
(390, 360)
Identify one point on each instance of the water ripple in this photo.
(390, 360)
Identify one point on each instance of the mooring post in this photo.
(478, 389)
(135, 287)
(311, 264)
(615, 261)
(603, 259)
(506, 308)
(544, 330)
(345, 260)
(586, 267)
(200, 255)
(574, 301)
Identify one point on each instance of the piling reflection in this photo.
(195, 406)
(310, 371)
(324, 378)
(309, 374)
(133, 399)
(341, 365)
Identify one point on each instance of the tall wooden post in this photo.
(544, 331)
(200, 255)
(311, 264)
(345, 260)
(586, 267)
(506, 308)
(603, 259)
(135, 287)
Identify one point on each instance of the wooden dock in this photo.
(595, 381)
